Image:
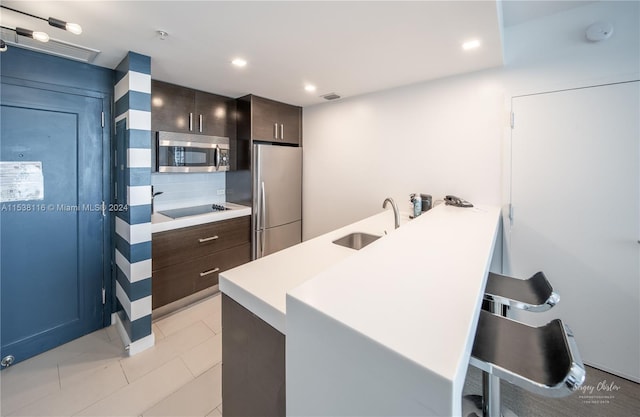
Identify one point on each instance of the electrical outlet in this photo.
(220, 192)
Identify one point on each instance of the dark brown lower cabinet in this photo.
(180, 280)
(189, 259)
(253, 371)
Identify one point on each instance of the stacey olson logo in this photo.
(601, 393)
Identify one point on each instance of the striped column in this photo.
(133, 191)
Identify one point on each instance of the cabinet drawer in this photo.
(225, 260)
(175, 246)
(180, 280)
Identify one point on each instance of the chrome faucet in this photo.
(396, 214)
(153, 196)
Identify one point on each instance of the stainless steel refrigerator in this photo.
(277, 198)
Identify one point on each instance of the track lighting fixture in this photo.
(57, 23)
(74, 28)
(40, 36)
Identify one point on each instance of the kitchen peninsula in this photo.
(384, 330)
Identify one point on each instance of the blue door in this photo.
(51, 233)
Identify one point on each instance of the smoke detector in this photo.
(599, 31)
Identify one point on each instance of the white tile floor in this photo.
(182, 376)
(92, 376)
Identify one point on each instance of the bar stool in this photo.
(533, 294)
(543, 360)
(502, 293)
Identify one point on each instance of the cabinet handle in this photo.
(190, 122)
(200, 121)
(207, 239)
(281, 131)
(275, 129)
(209, 272)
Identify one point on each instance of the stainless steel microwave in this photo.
(183, 152)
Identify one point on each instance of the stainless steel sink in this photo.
(357, 240)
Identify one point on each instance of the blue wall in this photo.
(132, 94)
(34, 69)
(34, 66)
(126, 95)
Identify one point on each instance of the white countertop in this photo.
(162, 223)
(261, 286)
(411, 301)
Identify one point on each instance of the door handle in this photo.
(200, 123)
(217, 157)
(190, 122)
(264, 220)
(209, 272)
(281, 131)
(275, 130)
(207, 239)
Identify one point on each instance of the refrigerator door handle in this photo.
(263, 218)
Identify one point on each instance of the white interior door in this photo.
(575, 192)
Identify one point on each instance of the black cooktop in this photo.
(193, 211)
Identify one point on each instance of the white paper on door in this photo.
(21, 181)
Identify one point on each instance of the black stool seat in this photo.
(543, 360)
(533, 294)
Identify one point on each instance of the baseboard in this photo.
(632, 378)
(139, 345)
(183, 303)
(142, 344)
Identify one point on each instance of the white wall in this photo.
(451, 136)
(437, 138)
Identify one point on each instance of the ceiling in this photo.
(349, 48)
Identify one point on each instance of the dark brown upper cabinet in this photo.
(215, 115)
(180, 109)
(268, 120)
(172, 107)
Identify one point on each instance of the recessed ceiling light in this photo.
(239, 62)
(310, 88)
(472, 44)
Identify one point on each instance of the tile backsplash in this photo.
(186, 190)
